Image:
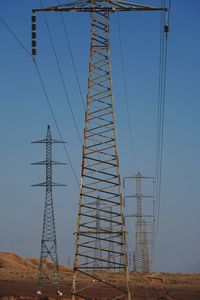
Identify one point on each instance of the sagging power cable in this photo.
(45, 93)
(164, 21)
(133, 160)
(72, 57)
(61, 75)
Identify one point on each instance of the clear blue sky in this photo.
(24, 116)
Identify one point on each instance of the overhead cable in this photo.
(161, 106)
(45, 93)
(61, 75)
(72, 57)
(125, 93)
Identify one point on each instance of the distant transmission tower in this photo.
(48, 243)
(143, 232)
(146, 248)
(131, 260)
(100, 180)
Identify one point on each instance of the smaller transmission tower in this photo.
(145, 248)
(131, 260)
(143, 232)
(48, 243)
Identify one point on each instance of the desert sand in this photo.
(18, 280)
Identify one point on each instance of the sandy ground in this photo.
(18, 280)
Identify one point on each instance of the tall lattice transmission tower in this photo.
(100, 235)
(49, 274)
(144, 224)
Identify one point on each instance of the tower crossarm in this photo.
(48, 184)
(44, 162)
(136, 215)
(142, 196)
(100, 5)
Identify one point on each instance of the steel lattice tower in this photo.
(146, 248)
(100, 180)
(48, 243)
(100, 227)
(139, 248)
(143, 240)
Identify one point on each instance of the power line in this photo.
(159, 113)
(161, 106)
(15, 36)
(45, 93)
(61, 75)
(125, 91)
(72, 58)
(163, 111)
(169, 10)
(55, 121)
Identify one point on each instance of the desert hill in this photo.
(18, 279)
(12, 266)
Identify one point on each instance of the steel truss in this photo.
(100, 235)
(144, 226)
(48, 243)
(100, 231)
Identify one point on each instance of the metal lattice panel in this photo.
(100, 179)
(100, 233)
(144, 224)
(48, 256)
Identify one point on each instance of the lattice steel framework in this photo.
(101, 233)
(143, 226)
(48, 244)
(100, 236)
(146, 248)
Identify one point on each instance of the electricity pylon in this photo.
(146, 248)
(143, 234)
(48, 243)
(100, 180)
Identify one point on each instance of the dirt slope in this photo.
(18, 281)
(15, 267)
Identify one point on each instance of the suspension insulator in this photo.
(166, 28)
(33, 34)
